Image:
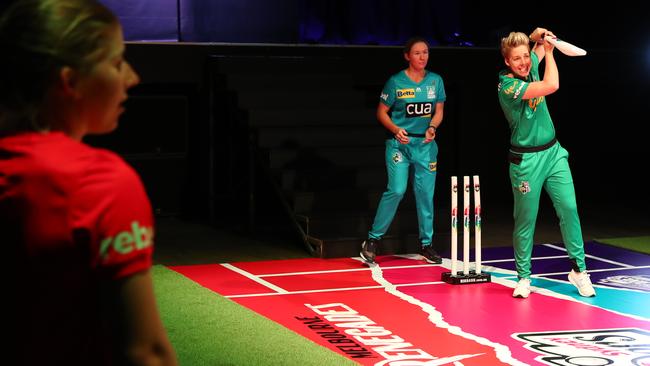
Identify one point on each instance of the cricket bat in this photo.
(565, 47)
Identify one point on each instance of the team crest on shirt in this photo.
(397, 157)
(524, 187)
(433, 166)
(431, 92)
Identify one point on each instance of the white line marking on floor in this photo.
(502, 352)
(623, 267)
(342, 270)
(511, 281)
(534, 258)
(254, 278)
(591, 271)
(592, 256)
(335, 289)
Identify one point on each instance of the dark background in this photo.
(600, 112)
(619, 25)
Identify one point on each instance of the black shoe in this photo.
(430, 254)
(369, 250)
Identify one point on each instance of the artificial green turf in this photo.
(638, 243)
(205, 328)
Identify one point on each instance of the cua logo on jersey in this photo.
(590, 347)
(419, 109)
(384, 96)
(125, 242)
(405, 93)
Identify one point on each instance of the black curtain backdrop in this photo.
(379, 22)
(625, 25)
(147, 20)
(239, 21)
(356, 22)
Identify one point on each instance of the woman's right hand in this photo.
(538, 35)
(548, 47)
(402, 136)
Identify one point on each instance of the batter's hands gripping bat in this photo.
(565, 47)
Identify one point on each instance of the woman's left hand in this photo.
(429, 135)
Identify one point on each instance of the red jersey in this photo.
(73, 219)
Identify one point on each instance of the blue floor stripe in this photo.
(634, 300)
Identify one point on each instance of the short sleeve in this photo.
(387, 96)
(511, 90)
(112, 208)
(440, 91)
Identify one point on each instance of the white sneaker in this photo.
(581, 281)
(523, 288)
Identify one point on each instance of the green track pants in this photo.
(529, 173)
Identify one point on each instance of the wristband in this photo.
(434, 127)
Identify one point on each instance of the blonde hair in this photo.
(38, 38)
(513, 40)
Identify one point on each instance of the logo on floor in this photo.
(590, 348)
(341, 323)
(632, 282)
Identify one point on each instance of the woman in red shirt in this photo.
(75, 220)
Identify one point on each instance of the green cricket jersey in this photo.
(529, 120)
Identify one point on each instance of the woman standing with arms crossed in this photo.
(75, 220)
(411, 108)
(537, 161)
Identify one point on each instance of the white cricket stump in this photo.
(467, 276)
